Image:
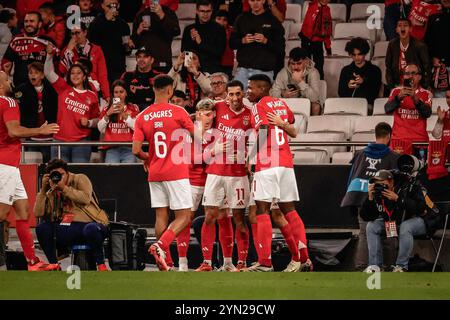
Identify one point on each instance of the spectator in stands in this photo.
(421, 10)
(258, 38)
(316, 31)
(8, 21)
(393, 213)
(38, 104)
(360, 79)
(189, 79)
(299, 79)
(179, 99)
(394, 10)
(411, 106)
(365, 164)
(219, 82)
(52, 26)
(139, 83)
(277, 8)
(88, 12)
(227, 62)
(117, 124)
(78, 109)
(79, 218)
(24, 7)
(112, 34)
(80, 47)
(441, 129)
(207, 38)
(25, 48)
(405, 50)
(155, 27)
(439, 48)
(233, 8)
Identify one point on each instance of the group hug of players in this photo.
(218, 175)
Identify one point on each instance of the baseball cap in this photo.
(145, 51)
(383, 175)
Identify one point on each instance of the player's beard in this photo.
(33, 33)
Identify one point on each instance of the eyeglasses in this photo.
(218, 83)
(411, 73)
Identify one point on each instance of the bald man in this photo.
(12, 191)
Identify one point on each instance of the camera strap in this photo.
(389, 226)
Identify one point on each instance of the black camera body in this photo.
(408, 83)
(55, 177)
(378, 190)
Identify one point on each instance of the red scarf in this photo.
(438, 152)
(402, 146)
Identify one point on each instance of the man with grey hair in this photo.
(218, 85)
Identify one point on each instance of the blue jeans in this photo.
(93, 234)
(120, 155)
(408, 229)
(242, 74)
(78, 154)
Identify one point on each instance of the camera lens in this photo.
(55, 176)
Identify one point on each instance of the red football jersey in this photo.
(419, 15)
(408, 124)
(197, 168)
(233, 127)
(164, 126)
(120, 131)
(276, 152)
(73, 105)
(9, 147)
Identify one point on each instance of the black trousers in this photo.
(315, 51)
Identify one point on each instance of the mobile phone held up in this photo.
(187, 58)
(408, 83)
(116, 100)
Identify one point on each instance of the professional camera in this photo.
(55, 177)
(378, 190)
(409, 164)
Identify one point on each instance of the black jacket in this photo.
(437, 35)
(212, 46)
(28, 104)
(369, 89)
(140, 87)
(257, 55)
(108, 35)
(159, 36)
(417, 53)
(410, 204)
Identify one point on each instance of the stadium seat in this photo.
(378, 106)
(131, 63)
(332, 71)
(380, 50)
(305, 9)
(299, 105)
(342, 158)
(338, 12)
(183, 24)
(294, 30)
(363, 137)
(431, 122)
(331, 123)
(323, 91)
(353, 30)
(33, 157)
(290, 44)
(338, 48)
(293, 12)
(287, 28)
(310, 156)
(439, 102)
(321, 137)
(176, 47)
(359, 12)
(356, 106)
(368, 124)
(301, 122)
(186, 11)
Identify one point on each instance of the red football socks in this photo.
(299, 233)
(183, 241)
(26, 239)
(208, 238)
(242, 243)
(265, 239)
(226, 236)
(255, 237)
(292, 244)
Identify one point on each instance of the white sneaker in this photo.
(398, 269)
(183, 267)
(229, 267)
(307, 266)
(3, 267)
(293, 266)
(372, 269)
(258, 268)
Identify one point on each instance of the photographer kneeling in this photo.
(394, 209)
(69, 208)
